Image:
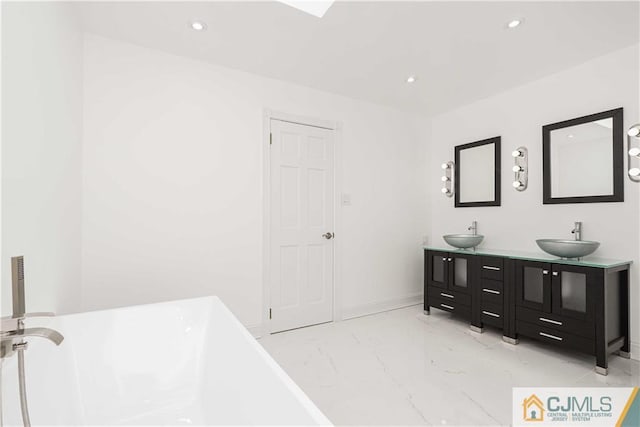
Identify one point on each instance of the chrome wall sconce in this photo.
(447, 178)
(633, 151)
(520, 168)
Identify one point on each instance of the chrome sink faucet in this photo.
(577, 230)
(473, 228)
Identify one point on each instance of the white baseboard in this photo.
(381, 306)
(635, 350)
(360, 310)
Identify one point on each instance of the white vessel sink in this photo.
(568, 248)
(463, 241)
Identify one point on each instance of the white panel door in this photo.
(301, 252)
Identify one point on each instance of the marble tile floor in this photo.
(404, 368)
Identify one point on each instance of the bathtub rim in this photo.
(215, 303)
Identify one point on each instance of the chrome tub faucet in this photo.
(12, 340)
(12, 331)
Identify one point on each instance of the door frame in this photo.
(336, 128)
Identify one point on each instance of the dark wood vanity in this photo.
(578, 305)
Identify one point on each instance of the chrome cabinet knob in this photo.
(328, 235)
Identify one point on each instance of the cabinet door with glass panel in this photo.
(460, 272)
(572, 290)
(438, 269)
(533, 285)
(449, 270)
(555, 288)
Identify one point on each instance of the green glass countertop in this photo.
(588, 261)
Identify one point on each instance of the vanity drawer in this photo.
(492, 268)
(450, 306)
(492, 315)
(493, 308)
(447, 295)
(555, 322)
(491, 291)
(553, 336)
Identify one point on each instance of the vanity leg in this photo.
(601, 344)
(477, 329)
(602, 360)
(625, 309)
(602, 371)
(426, 308)
(624, 354)
(510, 340)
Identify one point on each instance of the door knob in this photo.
(328, 235)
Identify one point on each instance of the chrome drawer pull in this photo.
(545, 271)
(550, 336)
(446, 295)
(490, 291)
(555, 273)
(444, 258)
(488, 313)
(488, 267)
(449, 259)
(555, 322)
(447, 306)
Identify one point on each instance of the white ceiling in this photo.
(460, 51)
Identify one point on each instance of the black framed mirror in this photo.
(583, 159)
(477, 173)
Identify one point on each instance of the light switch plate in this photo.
(346, 199)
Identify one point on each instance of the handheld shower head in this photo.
(17, 286)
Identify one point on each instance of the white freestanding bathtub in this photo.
(186, 362)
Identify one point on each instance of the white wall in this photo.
(41, 153)
(518, 115)
(172, 186)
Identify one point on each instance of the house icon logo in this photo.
(532, 409)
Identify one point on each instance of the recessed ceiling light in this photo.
(514, 23)
(411, 79)
(198, 25)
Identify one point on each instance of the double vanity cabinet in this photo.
(579, 305)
